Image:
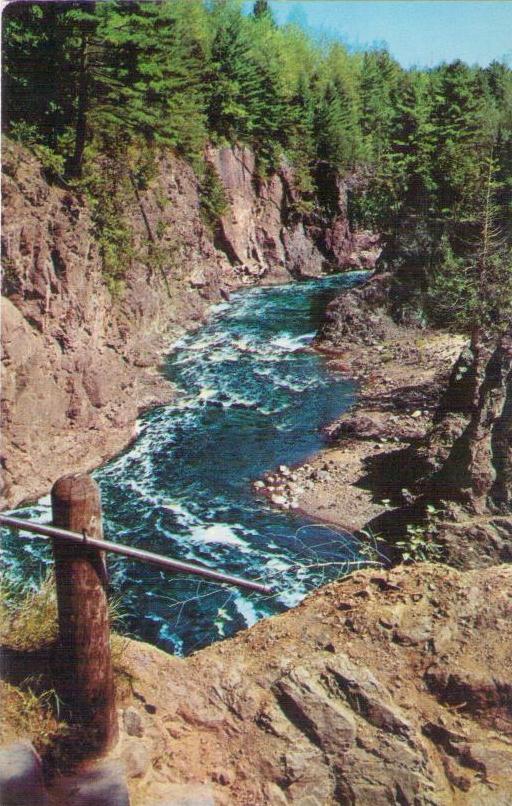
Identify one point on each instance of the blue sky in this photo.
(417, 32)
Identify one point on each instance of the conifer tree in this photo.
(262, 10)
(301, 145)
(473, 290)
(235, 82)
(153, 73)
(380, 77)
(412, 147)
(336, 128)
(41, 44)
(463, 132)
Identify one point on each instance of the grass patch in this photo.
(29, 713)
(28, 617)
(31, 707)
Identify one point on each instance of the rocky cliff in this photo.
(453, 478)
(264, 231)
(376, 689)
(464, 465)
(79, 366)
(386, 687)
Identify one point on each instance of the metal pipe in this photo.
(133, 553)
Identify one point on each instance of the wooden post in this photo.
(85, 672)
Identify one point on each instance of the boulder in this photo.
(102, 784)
(21, 777)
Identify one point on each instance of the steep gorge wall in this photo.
(263, 230)
(79, 366)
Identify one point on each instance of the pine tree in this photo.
(473, 291)
(40, 45)
(85, 21)
(154, 66)
(380, 76)
(235, 83)
(412, 147)
(262, 9)
(336, 128)
(463, 132)
(301, 146)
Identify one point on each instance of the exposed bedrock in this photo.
(358, 316)
(263, 231)
(374, 690)
(78, 365)
(463, 466)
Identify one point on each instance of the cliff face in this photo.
(469, 449)
(264, 232)
(467, 456)
(79, 366)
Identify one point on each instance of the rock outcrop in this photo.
(386, 687)
(79, 366)
(453, 480)
(359, 316)
(374, 690)
(21, 776)
(469, 449)
(459, 474)
(466, 458)
(264, 231)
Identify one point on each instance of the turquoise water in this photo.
(251, 396)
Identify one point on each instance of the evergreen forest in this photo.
(430, 150)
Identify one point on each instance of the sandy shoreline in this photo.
(400, 381)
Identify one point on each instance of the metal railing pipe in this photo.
(133, 553)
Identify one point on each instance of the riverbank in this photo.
(401, 378)
(375, 684)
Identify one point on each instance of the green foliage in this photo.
(451, 297)
(262, 9)
(336, 129)
(474, 289)
(212, 196)
(107, 186)
(85, 84)
(26, 134)
(420, 544)
(29, 617)
(152, 83)
(32, 713)
(247, 98)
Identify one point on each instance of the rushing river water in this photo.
(250, 396)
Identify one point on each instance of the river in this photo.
(251, 395)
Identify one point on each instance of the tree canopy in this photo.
(83, 78)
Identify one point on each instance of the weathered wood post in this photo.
(87, 686)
